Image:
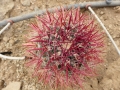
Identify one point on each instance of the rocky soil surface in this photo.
(15, 76)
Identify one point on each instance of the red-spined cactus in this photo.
(65, 46)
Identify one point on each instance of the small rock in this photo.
(25, 2)
(105, 18)
(117, 9)
(13, 86)
(101, 13)
(110, 26)
(7, 45)
(33, 1)
(11, 41)
(1, 84)
(9, 33)
(109, 43)
(114, 35)
(5, 39)
(94, 83)
(33, 88)
(36, 8)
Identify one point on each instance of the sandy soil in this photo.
(13, 38)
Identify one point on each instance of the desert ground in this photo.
(13, 73)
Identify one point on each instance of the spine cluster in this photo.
(65, 46)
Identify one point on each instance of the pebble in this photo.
(95, 83)
(105, 18)
(33, 1)
(5, 39)
(110, 26)
(117, 9)
(25, 2)
(11, 41)
(8, 45)
(102, 13)
(114, 36)
(109, 43)
(1, 84)
(13, 86)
